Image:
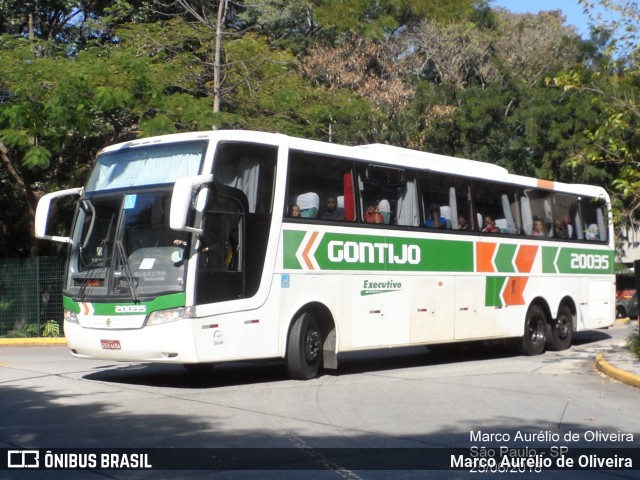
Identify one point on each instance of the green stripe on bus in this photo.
(494, 286)
(292, 241)
(162, 302)
(337, 251)
(332, 251)
(577, 260)
(504, 257)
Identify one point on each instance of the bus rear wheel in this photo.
(198, 369)
(560, 330)
(304, 348)
(535, 332)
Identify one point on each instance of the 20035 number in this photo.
(590, 261)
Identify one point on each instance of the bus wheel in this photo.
(198, 369)
(535, 332)
(560, 330)
(304, 348)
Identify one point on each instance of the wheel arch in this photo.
(323, 314)
(542, 303)
(570, 303)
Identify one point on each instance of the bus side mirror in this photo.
(42, 214)
(181, 201)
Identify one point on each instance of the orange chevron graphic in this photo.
(484, 256)
(305, 253)
(86, 308)
(514, 290)
(550, 184)
(525, 257)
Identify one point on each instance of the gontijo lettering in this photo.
(357, 252)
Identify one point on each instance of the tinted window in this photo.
(321, 187)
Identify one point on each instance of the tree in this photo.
(58, 110)
(613, 144)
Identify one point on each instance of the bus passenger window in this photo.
(444, 198)
(321, 186)
(388, 196)
(564, 210)
(407, 210)
(501, 204)
(594, 219)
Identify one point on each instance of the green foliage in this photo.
(377, 20)
(16, 334)
(452, 77)
(51, 329)
(633, 341)
(31, 330)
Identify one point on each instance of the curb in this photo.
(616, 373)
(32, 341)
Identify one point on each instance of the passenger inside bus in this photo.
(538, 227)
(373, 215)
(435, 220)
(560, 229)
(490, 225)
(294, 211)
(463, 224)
(332, 210)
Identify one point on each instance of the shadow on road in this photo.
(351, 363)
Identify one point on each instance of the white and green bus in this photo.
(221, 246)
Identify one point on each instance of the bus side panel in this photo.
(473, 319)
(237, 335)
(333, 291)
(381, 311)
(432, 309)
(597, 308)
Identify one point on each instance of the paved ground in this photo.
(616, 360)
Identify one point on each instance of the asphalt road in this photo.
(404, 398)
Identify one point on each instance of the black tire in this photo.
(198, 369)
(534, 339)
(560, 330)
(304, 348)
(621, 312)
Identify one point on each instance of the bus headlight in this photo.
(70, 316)
(171, 315)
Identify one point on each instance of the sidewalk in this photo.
(32, 341)
(619, 363)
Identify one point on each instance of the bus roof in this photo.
(377, 153)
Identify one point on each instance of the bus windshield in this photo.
(122, 244)
(123, 247)
(145, 165)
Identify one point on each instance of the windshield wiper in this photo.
(93, 266)
(127, 270)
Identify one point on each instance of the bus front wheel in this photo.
(535, 332)
(560, 330)
(304, 348)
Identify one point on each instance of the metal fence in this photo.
(30, 295)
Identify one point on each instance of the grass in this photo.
(633, 342)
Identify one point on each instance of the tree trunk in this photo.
(31, 197)
(222, 11)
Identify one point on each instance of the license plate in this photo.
(110, 344)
